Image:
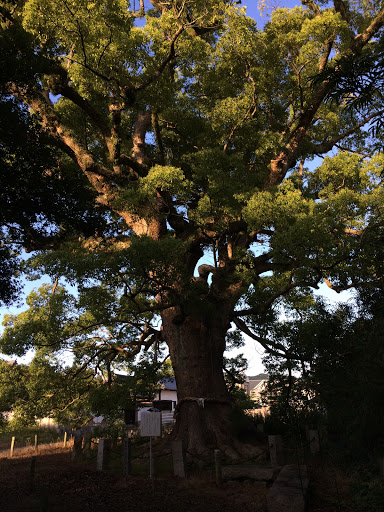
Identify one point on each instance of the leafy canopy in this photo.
(181, 129)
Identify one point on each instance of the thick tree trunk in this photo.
(196, 349)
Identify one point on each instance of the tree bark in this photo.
(202, 415)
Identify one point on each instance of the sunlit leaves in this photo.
(343, 171)
(41, 325)
(85, 24)
(267, 209)
(179, 124)
(12, 386)
(166, 178)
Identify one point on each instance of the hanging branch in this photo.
(269, 346)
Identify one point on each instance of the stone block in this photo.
(103, 454)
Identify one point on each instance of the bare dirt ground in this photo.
(61, 485)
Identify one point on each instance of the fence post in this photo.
(103, 454)
(12, 446)
(87, 446)
(77, 447)
(218, 467)
(65, 439)
(127, 455)
(36, 443)
(276, 450)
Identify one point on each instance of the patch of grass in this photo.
(25, 437)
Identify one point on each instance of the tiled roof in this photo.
(260, 376)
(256, 383)
(169, 383)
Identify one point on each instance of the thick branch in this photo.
(168, 59)
(159, 140)
(342, 8)
(328, 145)
(69, 93)
(141, 12)
(269, 346)
(142, 125)
(362, 39)
(138, 168)
(279, 293)
(339, 289)
(287, 158)
(326, 54)
(248, 113)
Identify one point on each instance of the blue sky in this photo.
(253, 11)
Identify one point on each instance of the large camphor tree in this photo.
(193, 130)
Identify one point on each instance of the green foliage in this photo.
(166, 178)
(367, 492)
(35, 207)
(234, 374)
(125, 391)
(71, 395)
(96, 346)
(359, 378)
(44, 389)
(215, 137)
(26, 435)
(12, 385)
(336, 378)
(185, 132)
